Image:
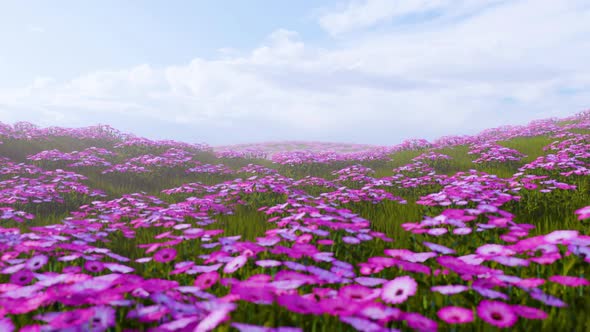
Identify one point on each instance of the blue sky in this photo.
(363, 71)
(73, 37)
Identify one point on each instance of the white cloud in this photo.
(361, 14)
(35, 29)
(507, 63)
(366, 13)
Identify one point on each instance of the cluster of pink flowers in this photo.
(431, 155)
(491, 152)
(88, 157)
(173, 157)
(572, 157)
(48, 186)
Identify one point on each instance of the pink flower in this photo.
(529, 312)
(496, 313)
(207, 279)
(22, 277)
(36, 262)
(420, 323)
(449, 289)
(6, 324)
(94, 266)
(455, 315)
(569, 281)
(165, 255)
(211, 321)
(358, 293)
(236, 263)
(583, 213)
(399, 289)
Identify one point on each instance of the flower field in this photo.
(106, 231)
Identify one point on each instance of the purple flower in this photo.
(338, 307)
(6, 324)
(420, 323)
(104, 318)
(561, 236)
(361, 324)
(37, 262)
(399, 289)
(529, 312)
(455, 315)
(22, 277)
(569, 281)
(259, 293)
(369, 281)
(165, 255)
(549, 300)
(298, 304)
(236, 263)
(351, 240)
(213, 319)
(268, 263)
(94, 266)
(207, 279)
(490, 293)
(496, 313)
(358, 293)
(72, 318)
(449, 289)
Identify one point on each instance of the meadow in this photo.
(106, 231)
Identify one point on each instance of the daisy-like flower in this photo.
(561, 236)
(36, 262)
(361, 324)
(496, 313)
(118, 268)
(529, 312)
(298, 304)
(455, 315)
(268, 263)
(437, 231)
(420, 323)
(236, 263)
(259, 293)
(213, 319)
(490, 250)
(510, 261)
(569, 281)
(583, 213)
(72, 269)
(6, 324)
(350, 240)
(94, 266)
(338, 307)
(449, 289)
(22, 277)
(399, 289)
(549, 300)
(165, 255)
(207, 279)
(104, 318)
(74, 318)
(490, 293)
(530, 282)
(462, 231)
(358, 293)
(369, 281)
